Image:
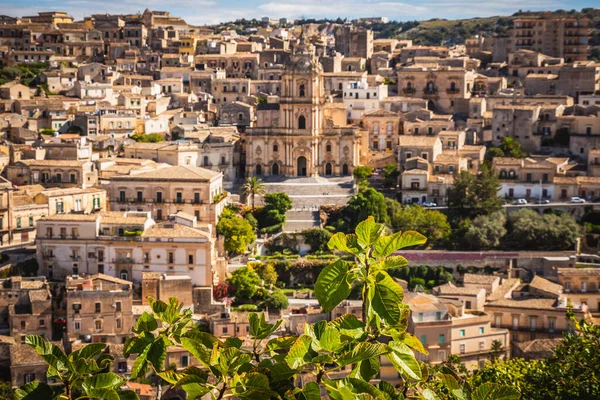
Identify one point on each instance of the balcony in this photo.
(124, 260)
(409, 90)
(430, 92)
(453, 91)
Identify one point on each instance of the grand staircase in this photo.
(308, 194)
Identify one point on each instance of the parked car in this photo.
(542, 201)
(577, 200)
(429, 204)
(519, 201)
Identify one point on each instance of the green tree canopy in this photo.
(278, 201)
(316, 238)
(362, 172)
(238, 233)
(529, 230)
(390, 175)
(472, 195)
(245, 282)
(276, 300)
(367, 203)
(486, 231)
(148, 138)
(433, 224)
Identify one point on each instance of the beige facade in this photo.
(25, 308)
(98, 309)
(519, 122)
(127, 244)
(442, 87)
(53, 173)
(557, 37)
(312, 137)
(168, 190)
(533, 318)
(22, 208)
(581, 286)
(445, 328)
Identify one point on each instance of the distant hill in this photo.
(451, 32)
(446, 32)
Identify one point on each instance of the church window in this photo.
(301, 122)
(302, 90)
(275, 148)
(328, 148)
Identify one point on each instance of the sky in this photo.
(202, 12)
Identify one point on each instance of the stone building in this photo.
(125, 245)
(98, 309)
(312, 137)
(25, 308)
(566, 38)
(53, 173)
(581, 286)
(168, 190)
(441, 86)
(354, 41)
(445, 328)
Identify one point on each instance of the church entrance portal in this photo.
(301, 166)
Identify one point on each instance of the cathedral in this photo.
(311, 137)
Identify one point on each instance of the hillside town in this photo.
(143, 158)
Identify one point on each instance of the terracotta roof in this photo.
(53, 163)
(451, 289)
(529, 303)
(537, 346)
(117, 217)
(22, 354)
(38, 295)
(380, 113)
(176, 173)
(480, 279)
(447, 158)
(177, 231)
(544, 284)
(72, 217)
(418, 141)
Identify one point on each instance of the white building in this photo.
(360, 97)
(126, 244)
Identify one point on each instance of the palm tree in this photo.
(253, 186)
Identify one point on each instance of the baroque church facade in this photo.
(311, 136)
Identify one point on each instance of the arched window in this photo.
(340, 86)
(301, 122)
(409, 85)
(452, 86)
(503, 173)
(240, 116)
(328, 147)
(258, 169)
(302, 91)
(206, 161)
(275, 148)
(511, 174)
(124, 274)
(430, 86)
